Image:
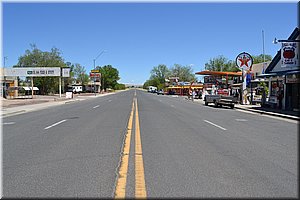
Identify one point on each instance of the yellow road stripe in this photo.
(140, 186)
(121, 183)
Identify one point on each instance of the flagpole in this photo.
(263, 39)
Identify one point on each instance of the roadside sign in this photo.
(244, 61)
(95, 71)
(65, 72)
(289, 54)
(32, 71)
(93, 75)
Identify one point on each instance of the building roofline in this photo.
(277, 57)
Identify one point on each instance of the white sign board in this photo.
(65, 72)
(69, 95)
(289, 54)
(32, 71)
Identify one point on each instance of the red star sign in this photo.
(244, 61)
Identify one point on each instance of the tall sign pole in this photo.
(244, 61)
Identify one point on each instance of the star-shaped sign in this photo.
(244, 61)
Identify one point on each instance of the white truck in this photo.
(75, 88)
(152, 89)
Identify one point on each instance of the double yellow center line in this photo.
(140, 186)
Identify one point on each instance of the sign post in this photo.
(244, 61)
(95, 74)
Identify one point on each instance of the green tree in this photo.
(220, 63)
(109, 76)
(37, 58)
(152, 82)
(120, 86)
(260, 58)
(184, 73)
(161, 72)
(80, 74)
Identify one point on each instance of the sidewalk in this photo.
(270, 111)
(24, 104)
(266, 111)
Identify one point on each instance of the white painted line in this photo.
(109, 100)
(55, 124)
(8, 123)
(96, 106)
(215, 125)
(172, 106)
(241, 120)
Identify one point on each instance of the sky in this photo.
(137, 36)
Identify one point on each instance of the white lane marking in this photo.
(241, 120)
(160, 100)
(215, 125)
(55, 124)
(8, 123)
(172, 106)
(96, 106)
(109, 100)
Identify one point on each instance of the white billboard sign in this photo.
(33, 71)
(289, 54)
(65, 72)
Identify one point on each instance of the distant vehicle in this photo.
(75, 88)
(152, 89)
(161, 91)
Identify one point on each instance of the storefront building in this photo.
(284, 90)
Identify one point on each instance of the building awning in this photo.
(186, 87)
(279, 73)
(29, 88)
(207, 72)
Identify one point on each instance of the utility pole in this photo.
(95, 68)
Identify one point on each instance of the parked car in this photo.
(161, 91)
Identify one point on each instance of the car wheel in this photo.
(216, 104)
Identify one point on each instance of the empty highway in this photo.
(137, 144)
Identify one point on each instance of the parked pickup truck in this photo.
(220, 100)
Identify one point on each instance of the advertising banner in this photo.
(32, 71)
(93, 75)
(289, 54)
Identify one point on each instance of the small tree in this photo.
(109, 76)
(37, 58)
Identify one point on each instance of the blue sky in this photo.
(139, 36)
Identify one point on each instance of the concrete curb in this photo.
(269, 113)
(261, 112)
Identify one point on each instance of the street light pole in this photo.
(95, 68)
(94, 78)
(5, 58)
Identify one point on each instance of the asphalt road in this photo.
(187, 150)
